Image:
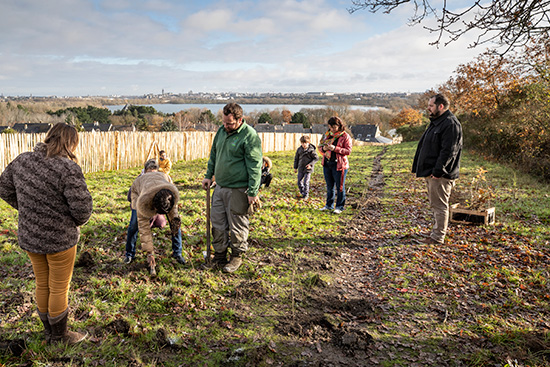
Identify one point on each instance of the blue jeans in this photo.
(131, 238)
(303, 182)
(334, 178)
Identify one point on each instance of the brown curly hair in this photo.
(233, 109)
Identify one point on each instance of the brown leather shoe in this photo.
(430, 241)
(234, 263)
(152, 265)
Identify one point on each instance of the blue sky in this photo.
(134, 47)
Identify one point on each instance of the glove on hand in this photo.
(253, 208)
(175, 225)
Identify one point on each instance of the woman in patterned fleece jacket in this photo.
(48, 189)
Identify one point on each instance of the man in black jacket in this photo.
(437, 159)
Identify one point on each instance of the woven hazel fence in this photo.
(106, 151)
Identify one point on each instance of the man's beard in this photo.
(234, 128)
(435, 114)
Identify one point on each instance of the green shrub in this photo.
(9, 130)
(411, 133)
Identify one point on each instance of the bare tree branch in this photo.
(509, 23)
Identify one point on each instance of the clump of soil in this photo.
(85, 260)
(118, 326)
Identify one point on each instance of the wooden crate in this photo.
(469, 216)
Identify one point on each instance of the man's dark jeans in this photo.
(131, 238)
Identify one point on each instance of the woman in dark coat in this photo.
(48, 189)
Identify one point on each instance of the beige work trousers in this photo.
(439, 192)
(229, 229)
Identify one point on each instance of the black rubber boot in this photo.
(217, 263)
(60, 332)
(47, 327)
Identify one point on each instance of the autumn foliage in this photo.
(407, 116)
(504, 106)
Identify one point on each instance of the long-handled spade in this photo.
(208, 251)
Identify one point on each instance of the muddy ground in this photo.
(333, 323)
(353, 319)
(362, 320)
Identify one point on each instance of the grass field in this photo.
(314, 288)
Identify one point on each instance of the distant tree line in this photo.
(147, 118)
(383, 100)
(82, 115)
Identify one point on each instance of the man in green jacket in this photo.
(236, 165)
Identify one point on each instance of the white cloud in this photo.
(209, 20)
(120, 46)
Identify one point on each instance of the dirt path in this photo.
(347, 324)
(335, 324)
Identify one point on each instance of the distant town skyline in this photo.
(219, 95)
(116, 47)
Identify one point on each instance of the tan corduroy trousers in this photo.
(53, 274)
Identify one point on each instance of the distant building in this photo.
(365, 132)
(369, 133)
(319, 128)
(32, 128)
(293, 128)
(320, 94)
(123, 128)
(202, 127)
(96, 126)
(284, 128)
(265, 128)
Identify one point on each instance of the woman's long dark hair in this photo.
(337, 121)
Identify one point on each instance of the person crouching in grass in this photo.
(153, 193)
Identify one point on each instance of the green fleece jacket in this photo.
(236, 159)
